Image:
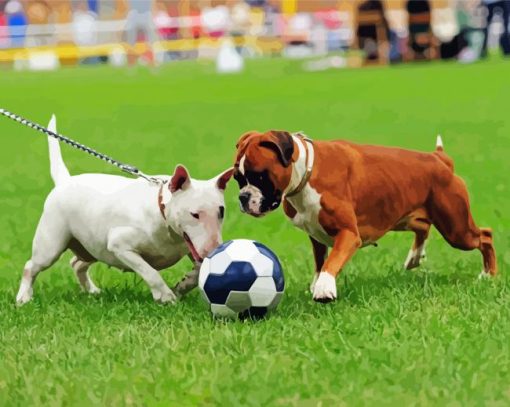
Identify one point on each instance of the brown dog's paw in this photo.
(324, 300)
(325, 288)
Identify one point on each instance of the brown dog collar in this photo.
(309, 159)
(160, 201)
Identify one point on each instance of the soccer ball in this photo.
(241, 278)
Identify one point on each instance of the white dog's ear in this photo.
(222, 179)
(180, 180)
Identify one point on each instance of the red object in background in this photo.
(4, 33)
(173, 12)
(196, 25)
(330, 18)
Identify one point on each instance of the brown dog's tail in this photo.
(441, 154)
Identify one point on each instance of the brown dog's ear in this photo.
(223, 179)
(244, 137)
(180, 179)
(282, 144)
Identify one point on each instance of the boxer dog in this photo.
(346, 196)
(130, 224)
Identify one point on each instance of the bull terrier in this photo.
(130, 224)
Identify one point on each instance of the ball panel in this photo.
(276, 300)
(204, 272)
(263, 265)
(219, 263)
(262, 292)
(241, 250)
(238, 301)
(222, 311)
(278, 279)
(239, 276)
(277, 267)
(266, 251)
(222, 247)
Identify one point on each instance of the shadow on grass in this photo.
(357, 290)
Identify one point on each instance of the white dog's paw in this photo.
(314, 281)
(24, 296)
(325, 288)
(165, 296)
(94, 290)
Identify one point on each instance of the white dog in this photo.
(127, 223)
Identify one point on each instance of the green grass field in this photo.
(436, 336)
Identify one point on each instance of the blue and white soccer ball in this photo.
(241, 278)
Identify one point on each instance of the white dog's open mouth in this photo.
(192, 249)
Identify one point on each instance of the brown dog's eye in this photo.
(222, 212)
(195, 215)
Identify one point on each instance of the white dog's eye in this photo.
(195, 215)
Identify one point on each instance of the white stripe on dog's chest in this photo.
(307, 204)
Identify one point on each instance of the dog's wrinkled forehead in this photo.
(259, 151)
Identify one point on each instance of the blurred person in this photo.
(240, 15)
(139, 19)
(17, 23)
(471, 23)
(274, 24)
(417, 8)
(167, 28)
(256, 3)
(196, 22)
(94, 6)
(491, 6)
(164, 24)
(330, 18)
(240, 22)
(38, 13)
(85, 29)
(367, 33)
(216, 20)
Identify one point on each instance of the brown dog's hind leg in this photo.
(419, 223)
(451, 215)
(490, 266)
(417, 251)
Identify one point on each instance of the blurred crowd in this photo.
(383, 31)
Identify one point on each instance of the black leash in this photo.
(123, 167)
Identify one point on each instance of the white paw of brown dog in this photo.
(325, 288)
(415, 257)
(484, 275)
(312, 284)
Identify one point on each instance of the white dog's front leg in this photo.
(118, 244)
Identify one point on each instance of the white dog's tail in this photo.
(58, 169)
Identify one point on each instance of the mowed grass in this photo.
(434, 336)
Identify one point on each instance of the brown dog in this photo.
(347, 195)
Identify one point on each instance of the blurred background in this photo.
(47, 34)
